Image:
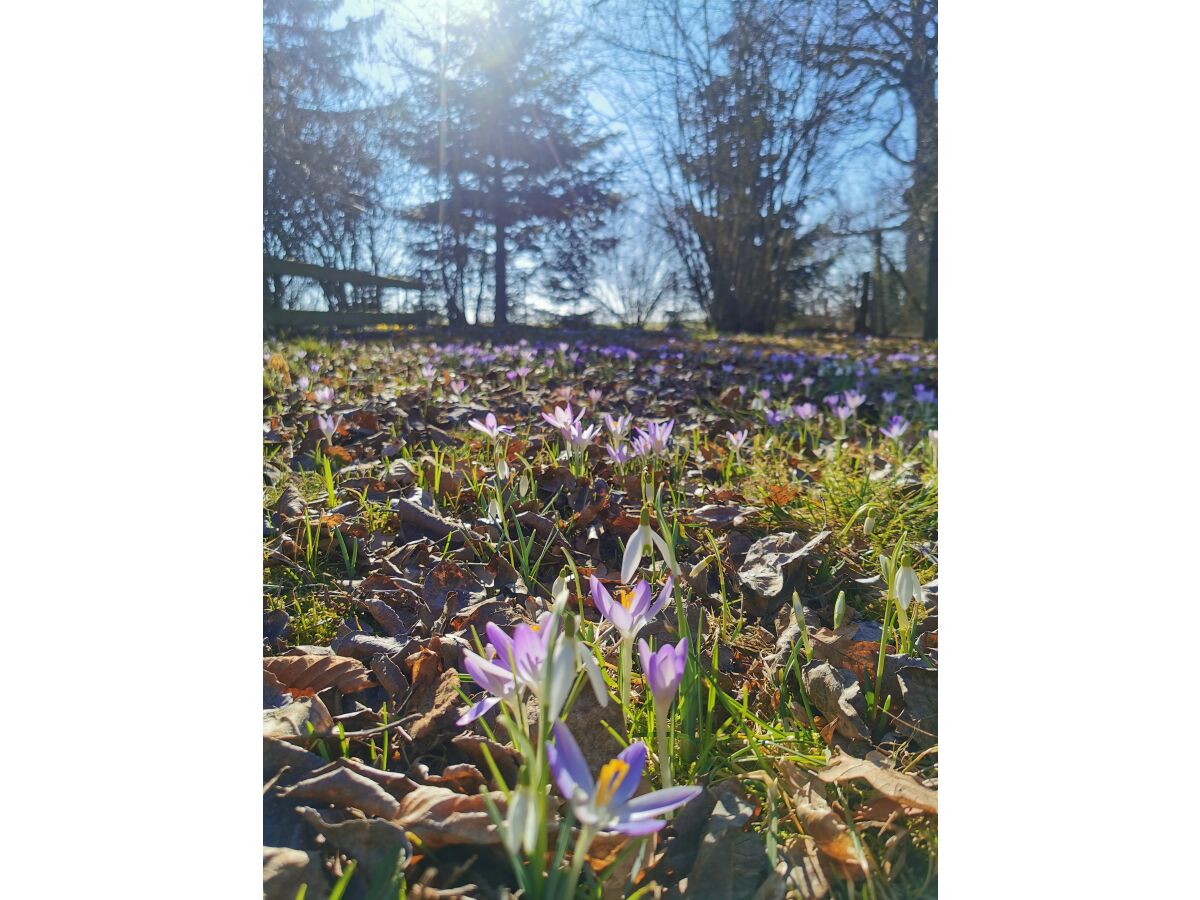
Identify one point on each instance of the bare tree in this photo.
(747, 125)
(895, 43)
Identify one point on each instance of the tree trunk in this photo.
(878, 307)
(860, 315)
(931, 290)
(501, 317)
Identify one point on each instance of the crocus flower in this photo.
(618, 454)
(774, 418)
(896, 426)
(854, 399)
(595, 396)
(786, 378)
(608, 803)
(633, 611)
(832, 400)
(562, 418)
(663, 669)
(736, 439)
(427, 372)
(618, 428)
(577, 437)
(843, 412)
(804, 411)
(655, 438)
(329, 426)
(510, 663)
(888, 396)
(489, 427)
(302, 382)
(323, 394)
(458, 386)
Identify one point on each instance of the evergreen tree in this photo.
(321, 160)
(516, 166)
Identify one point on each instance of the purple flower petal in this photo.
(473, 712)
(663, 597)
(567, 764)
(637, 829)
(633, 756)
(658, 802)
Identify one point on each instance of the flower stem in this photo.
(626, 674)
(662, 725)
(577, 858)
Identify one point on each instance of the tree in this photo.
(515, 166)
(637, 278)
(747, 124)
(895, 42)
(321, 164)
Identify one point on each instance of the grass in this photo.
(730, 720)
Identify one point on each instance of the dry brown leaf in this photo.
(289, 723)
(439, 817)
(836, 693)
(438, 718)
(342, 787)
(310, 674)
(826, 828)
(899, 786)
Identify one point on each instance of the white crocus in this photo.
(637, 545)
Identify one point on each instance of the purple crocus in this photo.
(618, 454)
(774, 418)
(323, 394)
(833, 400)
(843, 412)
(562, 418)
(608, 802)
(888, 396)
(663, 669)
(804, 411)
(654, 439)
(618, 428)
(329, 426)
(510, 663)
(633, 611)
(489, 427)
(854, 399)
(896, 426)
(737, 439)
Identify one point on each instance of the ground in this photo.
(780, 474)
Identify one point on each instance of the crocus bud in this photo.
(869, 523)
(502, 469)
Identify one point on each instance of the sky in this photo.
(858, 184)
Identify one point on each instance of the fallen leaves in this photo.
(836, 693)
(440, 817)
(767, 576)
(895, 785)
(306, 675)
(343, 787)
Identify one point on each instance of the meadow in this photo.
(599, 614)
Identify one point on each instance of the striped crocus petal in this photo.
(475, 710)
(658, 802)
(489, 676)
(567, 765)
(663, 596)
(639, 601)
